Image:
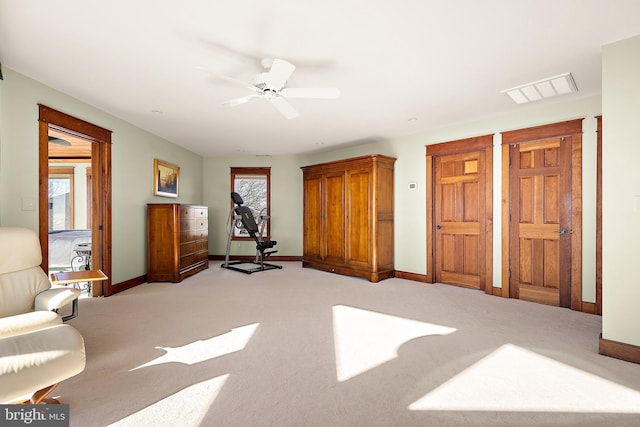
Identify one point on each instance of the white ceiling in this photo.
(441, 62)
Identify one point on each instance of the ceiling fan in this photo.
(59, 141)
(271, 86)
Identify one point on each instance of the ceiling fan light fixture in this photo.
(542, 89)
(271, 84)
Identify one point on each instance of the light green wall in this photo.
(410, 205)
(286, 203)
(621, 191)
(133, 152)
(207, 180)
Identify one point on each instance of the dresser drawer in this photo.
(194, 258)
(193, 247)
(187, 224)
(193, 236)
(186, 237)
(200, 212)
(187, 212)
(189, 248)
(201, 223)
(200, 234)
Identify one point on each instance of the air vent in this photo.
(542, 89)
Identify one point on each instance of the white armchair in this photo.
(37, 350)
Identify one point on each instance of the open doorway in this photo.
(69, 204)
(75, 196)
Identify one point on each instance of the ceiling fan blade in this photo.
(241, 100)
(229, 79)
(59, 141)
(284, 107)
(311, 92)
(278, 74)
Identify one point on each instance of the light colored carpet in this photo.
(300, 347)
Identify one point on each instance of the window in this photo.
(253, 184)
(60, 199)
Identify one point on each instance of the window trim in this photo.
(266, 171)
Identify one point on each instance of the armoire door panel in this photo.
(312, 217)
(358, 217)
(334, 227)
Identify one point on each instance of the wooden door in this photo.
(359, 227)
(313, 231)
(540, 239)
(459, 219)
(334, 208)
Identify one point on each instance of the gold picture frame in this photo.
(166, 179)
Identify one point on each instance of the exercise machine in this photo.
(241, 217)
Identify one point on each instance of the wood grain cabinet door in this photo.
(540, 238)
(313, 232)
(348, 217)
(333, 212)
(359, 219)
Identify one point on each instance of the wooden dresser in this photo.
(348, 217)
(178, 241)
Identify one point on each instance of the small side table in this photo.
(65, 277)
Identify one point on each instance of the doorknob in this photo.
(438, 227)
(563, 231)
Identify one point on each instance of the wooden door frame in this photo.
(598, 309)
(572, 128)
(466, 145)
(101, 191)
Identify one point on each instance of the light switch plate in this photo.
(28, 203)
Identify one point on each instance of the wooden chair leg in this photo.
(40, 396)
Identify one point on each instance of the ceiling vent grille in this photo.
(542, 89)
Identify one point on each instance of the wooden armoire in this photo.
(178, 241)
(348, 217)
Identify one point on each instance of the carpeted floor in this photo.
(300, 347)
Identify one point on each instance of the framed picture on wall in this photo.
(165, 179)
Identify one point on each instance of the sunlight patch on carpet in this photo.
(187, 407)
(201, 350)
(513, 379)
(365, 339)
